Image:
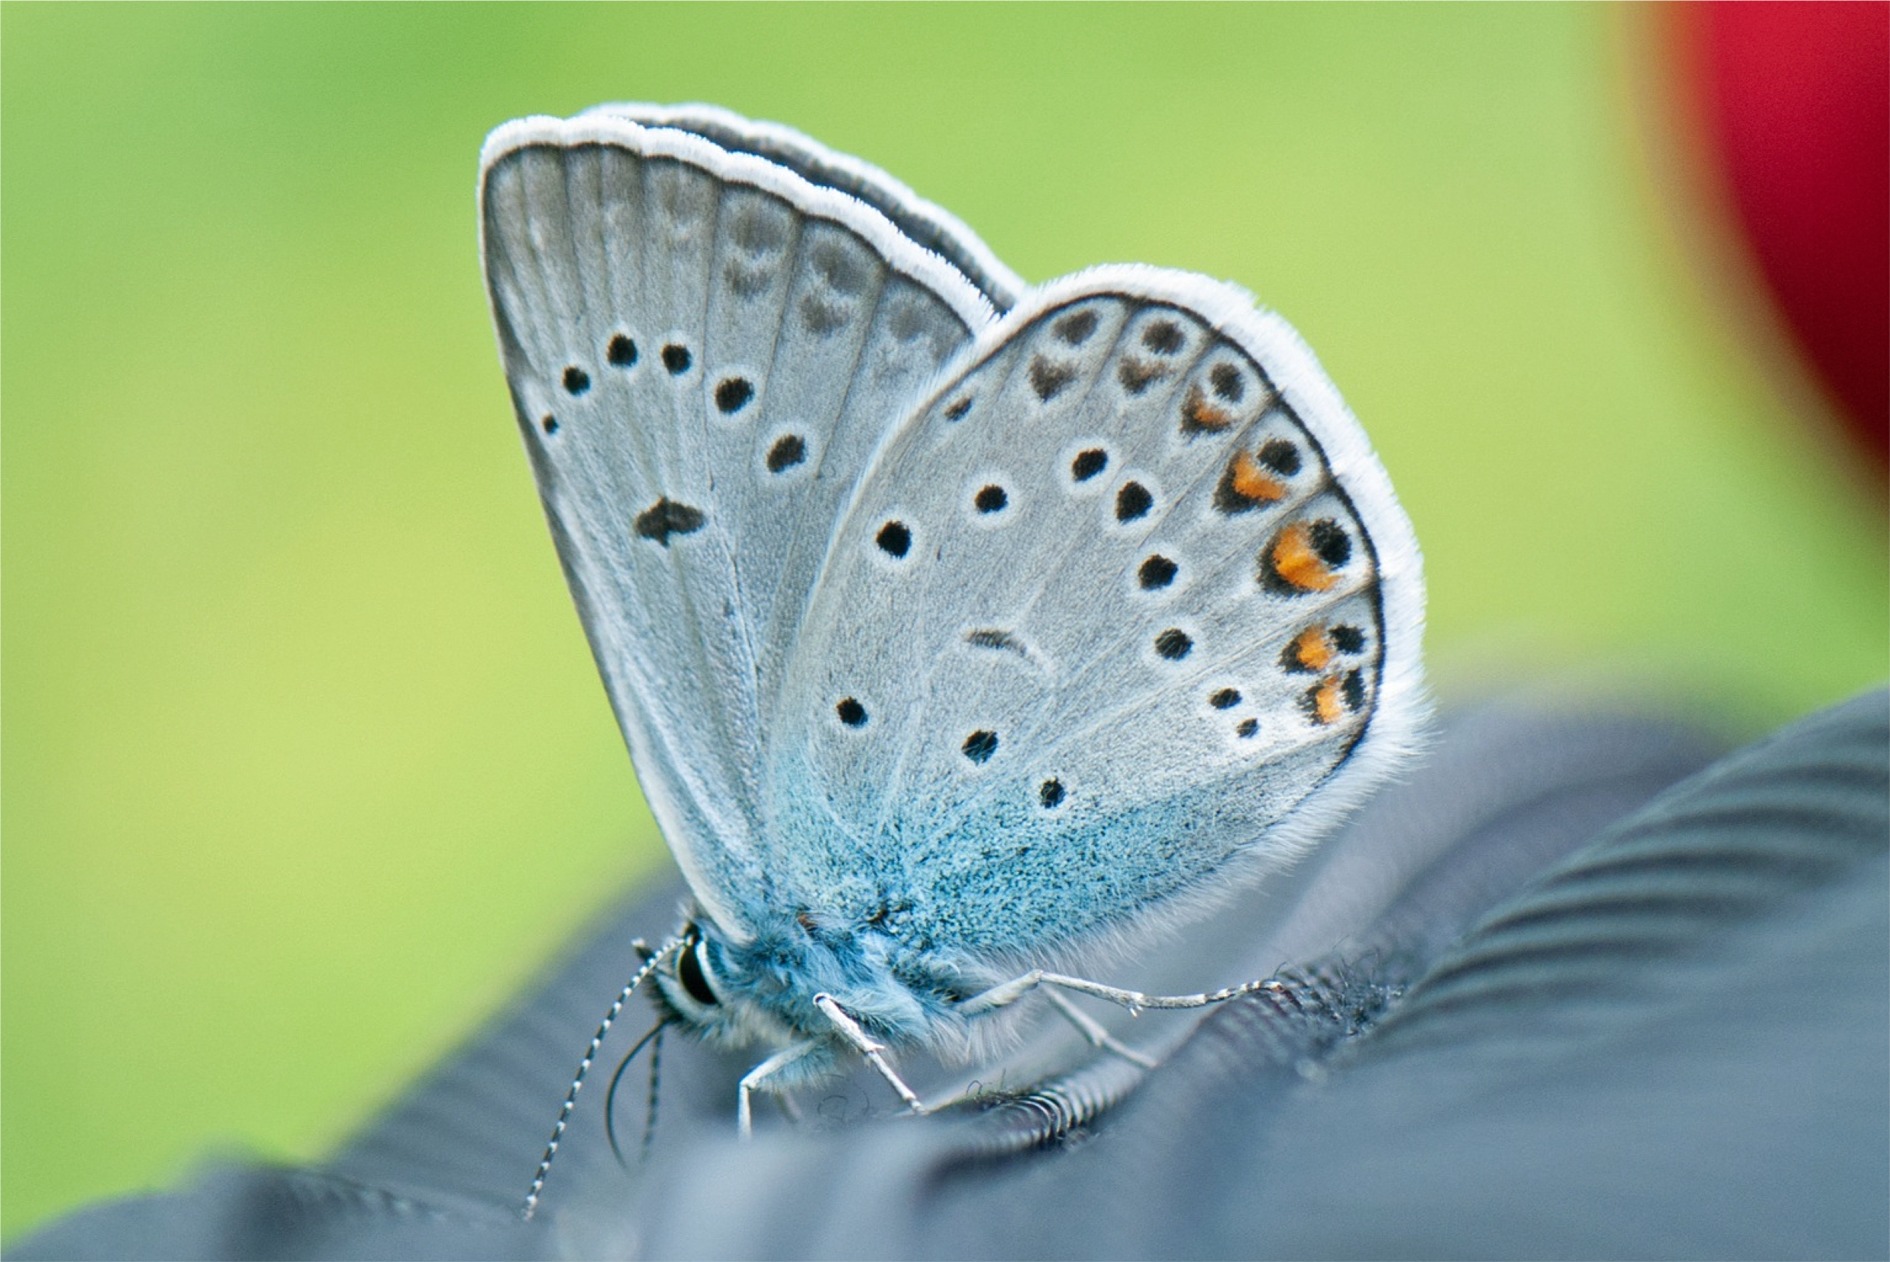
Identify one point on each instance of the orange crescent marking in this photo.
(1295, 561)
(1201, 414)
(1313, 648)
(1254, 483)
(1326, 702)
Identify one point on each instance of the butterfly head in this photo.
(761, 989)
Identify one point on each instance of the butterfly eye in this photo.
(693, 972)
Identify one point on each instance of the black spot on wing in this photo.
(1174, 644)
(1156, 572)
(666, 517)
(1352, 691)
(1088, 464)
(1075, 327)
(1164, 337)
(576, 381)
(732, 394)
(993, 638)
(980, 745)
(1227, 383)
(821, 316)
(1280, 456)
(850, 712)
(1050, 379)
(788, 451)
(908, 320)
(1137, 375)
(622, 352)
(747, 281)
(1133, 501)
(844, 272)
(1331, 542)
(677, 359)
(894, 539)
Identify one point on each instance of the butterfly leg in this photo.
(874, 1052)
(1093, 1031)
(744, 1108)
(1004, 994)
(1135, 1000)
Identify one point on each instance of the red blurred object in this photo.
(1795, 102)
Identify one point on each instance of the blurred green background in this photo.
(305, 762)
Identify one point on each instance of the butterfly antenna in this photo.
(655, 1035)
(651, 961)
(649, 1113)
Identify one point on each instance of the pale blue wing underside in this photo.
(704, 348)
(1126, 603)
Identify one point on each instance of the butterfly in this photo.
(961, 631)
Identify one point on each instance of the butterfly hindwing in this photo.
(1122, 595)
(703, 349)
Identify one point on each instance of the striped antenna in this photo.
(650, 964)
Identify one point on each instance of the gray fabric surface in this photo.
(1560, 993)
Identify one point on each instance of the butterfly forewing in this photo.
(927, 225)
(1109, 606)
(703, 349)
